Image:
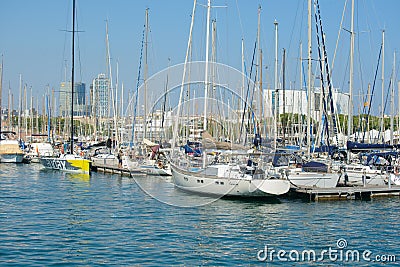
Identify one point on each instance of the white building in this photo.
(296, 103)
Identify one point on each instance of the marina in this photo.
(257, 138)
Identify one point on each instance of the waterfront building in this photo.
(296, 102)
(79, 99)
(100, 96)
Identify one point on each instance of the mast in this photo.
(350, 106)
(1, 88)
(398, 107)
(243, 77)
(145, 73)
(112, 99)
(31, 115)
(9, 109)
(72, 78)
(188, 49)
(206, 70)
(25, 107)
(206, 74)
(276, 98)
(309, 81)
(19, 106)
(260, 67)
(392, 98)
(300, 119)
(283, 95)
(383, 83)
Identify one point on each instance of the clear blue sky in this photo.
(34, 43)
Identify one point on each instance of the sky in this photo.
(35, 41)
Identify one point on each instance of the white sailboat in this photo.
(10, 151)
(361, 175)
(228, 180)
(69, 162)
(221, 177)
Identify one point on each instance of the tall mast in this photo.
(25, 107)
(276, 107)
(350, 106)
(392, 98)
(19, 106)
(283, 95)
(383, 83)
(72, 77)
(206, 70)
(309, 81)
(260, 67)
(188, 49)
(31, 114)
(398, 107)
(300, 119)
(9, 109)
(145, 73)
(1, 88)
(243, 77)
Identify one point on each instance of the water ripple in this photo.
(54, 219)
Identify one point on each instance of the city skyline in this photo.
(35, 39)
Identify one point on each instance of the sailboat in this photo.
(10, 152)
(227, 169)
(69, 162)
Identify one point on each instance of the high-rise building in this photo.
(79, 99)
(100, 96)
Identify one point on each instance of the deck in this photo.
(115, 170)
(347, 193)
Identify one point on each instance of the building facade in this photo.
(80, 108)
(100, 96)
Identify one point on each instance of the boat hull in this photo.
(395, 179)
(12, 158)
(371, 178)
(314, 179)
(224, 186)
(155, 170)
(74, 165)
(105, 160)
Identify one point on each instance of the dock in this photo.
(347, 193)
(115, 170)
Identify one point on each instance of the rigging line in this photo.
(322, 77)
(78, 46)
(358, 55)
(137, 89)
(332, 106)
(294, 25)
(252, 96)
(387, 95)
(384, 108)
(240, 19)
(247, 93)
(296, 65)
(337, 40)
(372, 93)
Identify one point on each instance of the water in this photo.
(50, 218)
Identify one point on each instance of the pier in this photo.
(346, 193)
(112, 169)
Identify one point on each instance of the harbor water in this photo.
(51, 218)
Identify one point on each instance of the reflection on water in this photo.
(163, 190)
(51, 217)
